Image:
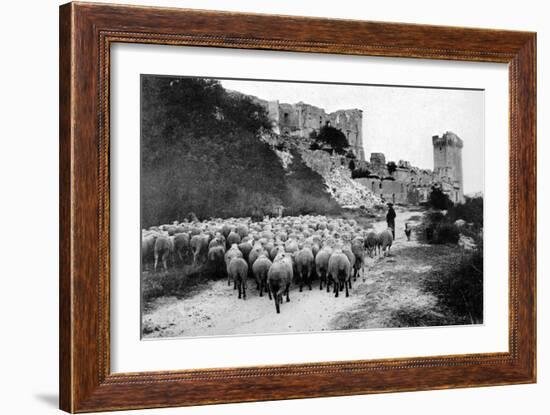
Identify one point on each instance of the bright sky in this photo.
(397, 121)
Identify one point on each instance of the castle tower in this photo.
(448, 164)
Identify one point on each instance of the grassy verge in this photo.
(181, 282)
(420, 286)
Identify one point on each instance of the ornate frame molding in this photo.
(86, 34)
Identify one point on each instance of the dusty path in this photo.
(387, 286)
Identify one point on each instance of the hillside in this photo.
(202, 153)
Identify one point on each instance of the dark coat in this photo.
(390, 216)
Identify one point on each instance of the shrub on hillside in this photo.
(439, 200)
(360, 172)
(471, 211)
(446, 233)
(460, 287)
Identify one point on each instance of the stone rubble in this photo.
(348, 192)
(467, 243)
(285, 158)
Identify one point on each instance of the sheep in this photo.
(233, 238)
(164, 247)
(218, 240)
(267, 234)
(216, 258)
(321, 265)
(279, 278)
(339, 270)
(275, 251)
(238, 270)
(180, 229)
(231, 254)
(359, 252)
(291, 246)
(371, 243)
(199, 247)
(242, 230)
(225, 230)
(260, 269)
(245, 248)
(255, 253)
(315, 248)
(385, 239)
(148, 248)
(268, 245)
(194, 231)
(347, 250)
(181, 245)
(304, 265)
(283, 236)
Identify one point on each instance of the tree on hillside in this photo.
(334, 138)
(391, 167)
(439, 200)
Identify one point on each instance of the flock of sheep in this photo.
(275, 251)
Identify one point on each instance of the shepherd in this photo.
(390, 218)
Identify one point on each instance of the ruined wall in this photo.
(311, 118)
(392, 190)
(321, 161)
(273, 114)
(350, 122)
(289, 120)
(301, 119)
(401, 174)
(378, 164)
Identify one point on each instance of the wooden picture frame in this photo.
(86, 33)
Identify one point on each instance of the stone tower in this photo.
(448, 165)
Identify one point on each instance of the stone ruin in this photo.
(302, 119)
(412, 185)
(405, 185)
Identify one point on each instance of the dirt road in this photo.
(387, 294)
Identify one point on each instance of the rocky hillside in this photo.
(333, 169)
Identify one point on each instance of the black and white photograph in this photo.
(271, 207)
